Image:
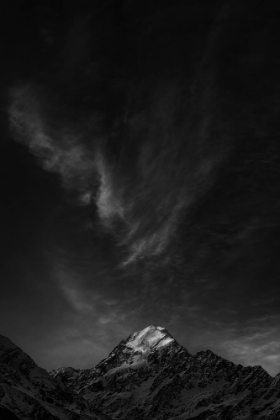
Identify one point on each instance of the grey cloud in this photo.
(259, 349)
(59, 150)
(171, 169)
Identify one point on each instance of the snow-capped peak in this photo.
(150, 338)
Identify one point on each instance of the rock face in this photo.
(150, 376)
(29, 392)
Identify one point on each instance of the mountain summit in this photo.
(149, 339)
(148, 375)
(142, 349)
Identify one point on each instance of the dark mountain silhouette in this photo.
(29, 392)
(149, 375)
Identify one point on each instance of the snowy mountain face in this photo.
(150, 376)
(29, 392)
(147, 376)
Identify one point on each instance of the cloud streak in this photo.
(59, 151)
(262, 348)
(142, 206)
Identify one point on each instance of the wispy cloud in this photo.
(74, 295)
(142, 206)
(60, 150)
(260, 349)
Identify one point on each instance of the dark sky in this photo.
(140, 177)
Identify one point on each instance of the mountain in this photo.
(148, 376)
(29, 392)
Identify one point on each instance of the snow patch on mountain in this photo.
(165, 341)
(149, 338)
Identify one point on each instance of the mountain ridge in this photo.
(138, 378)
(148, 375)
(29, 392)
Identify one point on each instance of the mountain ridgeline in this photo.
(149, 376)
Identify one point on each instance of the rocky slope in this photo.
(29, 392)
(150, 376)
